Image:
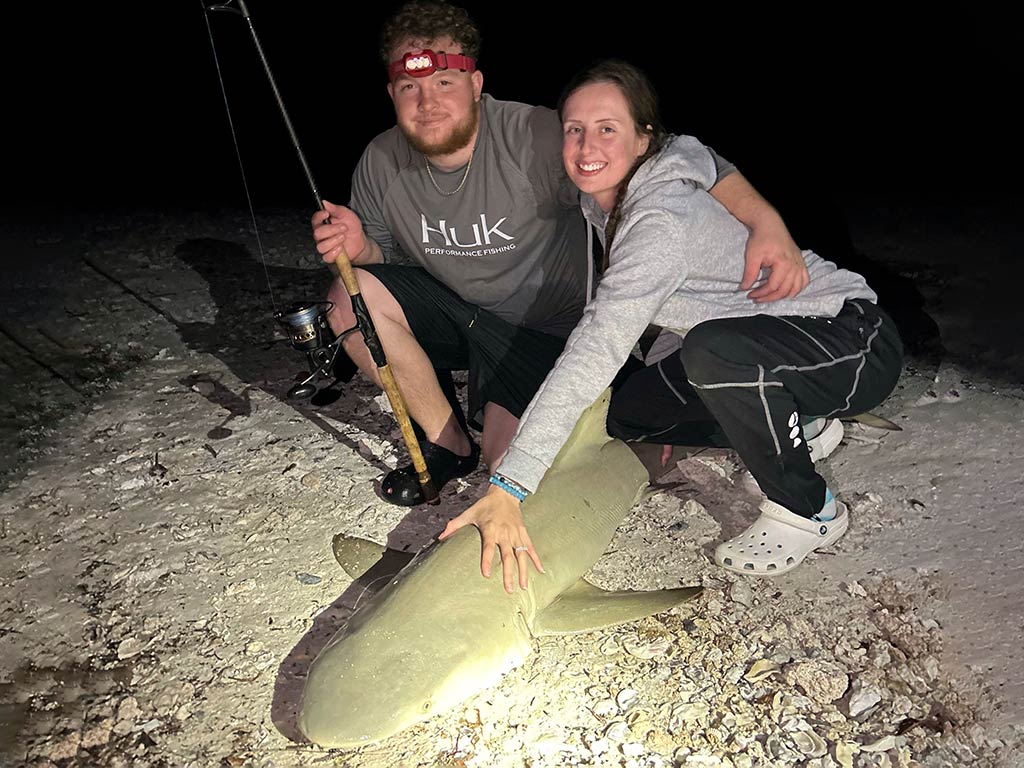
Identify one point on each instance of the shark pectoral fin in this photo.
(357, 556)
(584, 608)
(874, 420)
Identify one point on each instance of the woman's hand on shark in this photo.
(501, 526)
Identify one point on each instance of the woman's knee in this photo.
(625, 417)
(700, 352)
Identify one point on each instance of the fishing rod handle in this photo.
(387, 378)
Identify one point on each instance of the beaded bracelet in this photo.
(510, 487)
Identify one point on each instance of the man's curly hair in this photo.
(429, 20)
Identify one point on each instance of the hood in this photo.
(680, 157)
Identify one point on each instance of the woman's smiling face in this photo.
(600, 140)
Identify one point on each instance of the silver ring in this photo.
(520, 549)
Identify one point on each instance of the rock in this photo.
(863, 698)
(823, 681)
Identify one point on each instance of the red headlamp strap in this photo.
(426, 62)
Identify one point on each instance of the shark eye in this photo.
(426, 706)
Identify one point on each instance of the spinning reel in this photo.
(307, 325)
(308, 331)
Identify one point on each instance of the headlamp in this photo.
(426, 62)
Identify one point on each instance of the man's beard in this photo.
(459, 137)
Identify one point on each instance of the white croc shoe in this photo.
(779, 540)
(823, 437)
(822, 443)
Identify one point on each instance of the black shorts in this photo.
(506, 363)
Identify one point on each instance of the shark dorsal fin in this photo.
(590, 432)
(584, 608)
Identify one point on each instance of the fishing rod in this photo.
(306, 323)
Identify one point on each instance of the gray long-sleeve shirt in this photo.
(676, 261)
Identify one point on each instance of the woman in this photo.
(752, 371)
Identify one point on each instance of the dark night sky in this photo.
(121, 105)
(911, 120)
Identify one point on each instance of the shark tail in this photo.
(876, 421)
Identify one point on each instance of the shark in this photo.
(438, 632)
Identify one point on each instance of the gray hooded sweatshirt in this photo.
(676, 261)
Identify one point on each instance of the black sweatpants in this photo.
(753, 379)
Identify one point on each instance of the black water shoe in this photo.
(402, 487)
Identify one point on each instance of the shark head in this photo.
(358, 696)
(404, 656)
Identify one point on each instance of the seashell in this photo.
(626, 698)
(686, 689)
(798, 702)
(901, 706)
(689, 712)
(647, 648)
(792, 724)
(931, 668)
(883, 744)
(632, 749)
(739, 721)
(617, 731)
(714, 466)
(809, 743)
(605, 708)
(863, 698)
(611, 647)
(779, 750)
(733, 674)
(761, 669)
(854, 588)
(845, 750)
(783, 706)
(660, 743)
(639, 721)
(550, 742)
(741, 593)
(680, 754)
(701, 760)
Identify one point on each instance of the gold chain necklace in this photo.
(462, 183)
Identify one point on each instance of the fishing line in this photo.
(306, 322)
(238, 150)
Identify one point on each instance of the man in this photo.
(472, 191)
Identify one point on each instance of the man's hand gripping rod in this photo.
(342, 268)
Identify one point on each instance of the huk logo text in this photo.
(482, 234)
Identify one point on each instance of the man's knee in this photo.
(499, 427)
(340, 315)
(375, 296)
